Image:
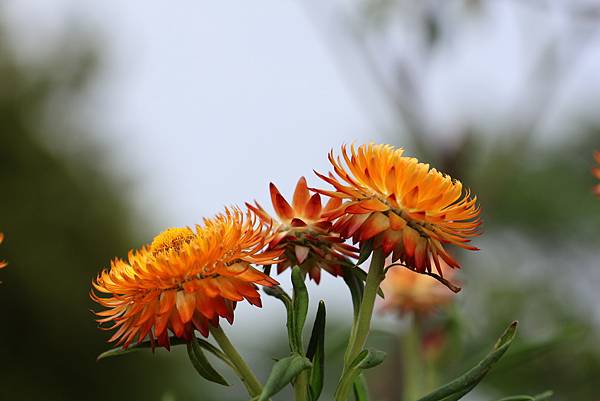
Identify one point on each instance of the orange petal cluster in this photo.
(3, 263)
(596, 172)
(305, 234)
(407, 291)
(401, 206)
(186, 279)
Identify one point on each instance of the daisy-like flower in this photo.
(186, 279)
(305, 234)
(407, 291)
(401, 206)
(3, 263)
(596, 172)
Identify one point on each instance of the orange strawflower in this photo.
(407, 291)
(596, 172)
(3, 263)
(305, 234)
(185, 279)
(405, 208)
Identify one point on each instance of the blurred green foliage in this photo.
(64, 219)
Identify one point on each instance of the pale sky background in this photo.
(207, 101)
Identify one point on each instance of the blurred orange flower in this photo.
(185, 279)
(3, 263)
(406, 208)
(305, 234)
(407, 291)
(596, 172)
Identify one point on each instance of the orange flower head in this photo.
(305, 234)
(394, 203)
(3, 263)
(596, 172)
(185, 279)
(407, 291)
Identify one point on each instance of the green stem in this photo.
(242, 369)
(361, 330)
(301, 387)
(362, 326)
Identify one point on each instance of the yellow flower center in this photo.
(171, 239)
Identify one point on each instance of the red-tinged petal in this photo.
(409, 241)
(374, 205)
(396, 222)
(200, 324)
(282, 208)
(312, 210)
(301, 253)
(186, 303)
(301, 195)
(375, 224)
(390, 241)
(421, 255)
(296, 223)
(332, 204)
(167, 301)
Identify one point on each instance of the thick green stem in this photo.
(242, 369)
(362, 326)
(361, 330)
(301, 387)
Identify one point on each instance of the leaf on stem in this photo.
(465, 383)
(284, 372)
(300, 306)
(540, 397)
(360, 389)
(367, 359)
(174, 341)
(316, 353)
(356, 287)
(202, 364)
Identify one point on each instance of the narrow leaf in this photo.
(300, 303)
(316, 353)
(174, 341)
(202, 365)
(362, 275)
(366, 248)
(284, 372)
(367, 359)
(465, 383)
(356, 287)
(361, 391)
(540, 397)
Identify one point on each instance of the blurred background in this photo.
(120, 119)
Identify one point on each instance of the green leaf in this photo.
(367, 359)
(361, 391)
(362, 275)
(356, 286)
(284, 372)
(280, 294)
(300, 306)
(465, 383)
(366, 248)
(174, 341)
(202, 365)
(316, 353)
(540, 397)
